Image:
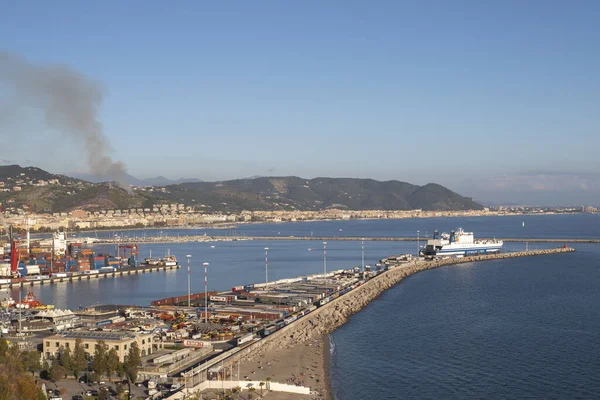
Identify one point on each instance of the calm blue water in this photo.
(536, 226)
(240, 262)
(524, 328)
(513, 329)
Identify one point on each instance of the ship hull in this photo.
(461, 250)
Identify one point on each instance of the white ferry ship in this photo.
(458, 244)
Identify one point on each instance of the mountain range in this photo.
(133, 181)
(260, 193)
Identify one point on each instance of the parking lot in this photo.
(69, 389)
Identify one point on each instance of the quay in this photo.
(204, 238)
(85, 277)
(329, 317)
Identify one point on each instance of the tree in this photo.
(99, 361)
(66, 360)
(268, 383)
(45, 373)
(112, 363)
(261, 388)
(31, 361)
(134, 359)
(3, 348)
(79, 361)
(57, 372)
(251, 394)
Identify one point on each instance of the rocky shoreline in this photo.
(317, 325)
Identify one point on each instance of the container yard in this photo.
(31, 262)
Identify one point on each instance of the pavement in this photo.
(71, 387)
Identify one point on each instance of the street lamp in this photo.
(189, 284)
(266, 267)
(205, 292)
(325, 258)
(363, 253)
(418, 247)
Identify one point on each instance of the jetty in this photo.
(52, 280)
(331, 316)
(206, 238)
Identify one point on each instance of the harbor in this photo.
(227, 338)
(50, 261)
(217, 238)
(305, 334)
(198, 341)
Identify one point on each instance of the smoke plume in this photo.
(69, 102)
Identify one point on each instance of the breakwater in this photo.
(203, 238)
(334, 314)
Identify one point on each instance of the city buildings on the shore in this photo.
(121, 341)
(171, 215)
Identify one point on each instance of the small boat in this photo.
(169, 260)
(212, 247)
(152, 261)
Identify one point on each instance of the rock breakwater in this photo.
(334, 314)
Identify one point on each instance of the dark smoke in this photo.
(70, 103)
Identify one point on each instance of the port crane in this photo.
(14, 255)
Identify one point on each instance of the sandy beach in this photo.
(303, 364)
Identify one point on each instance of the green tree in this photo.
(112, 363)
(99, 360)
(80, 363)
(261, 388)
(57, 372)
(134, 359)
(45, 373)
(66, 360)
(251, 392)
(31, 361)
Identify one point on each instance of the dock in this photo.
(117, 273)
(336, 312)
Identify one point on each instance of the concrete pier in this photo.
(99, 275)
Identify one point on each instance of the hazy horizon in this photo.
(497, 102)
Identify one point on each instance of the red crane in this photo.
(133, 249)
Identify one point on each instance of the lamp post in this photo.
(205, 292)
(418, 247)
(363, 253)
(189, 284)
(325, 258)
(266, 267)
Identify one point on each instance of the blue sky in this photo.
(462, 93)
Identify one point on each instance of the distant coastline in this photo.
(237, 224)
